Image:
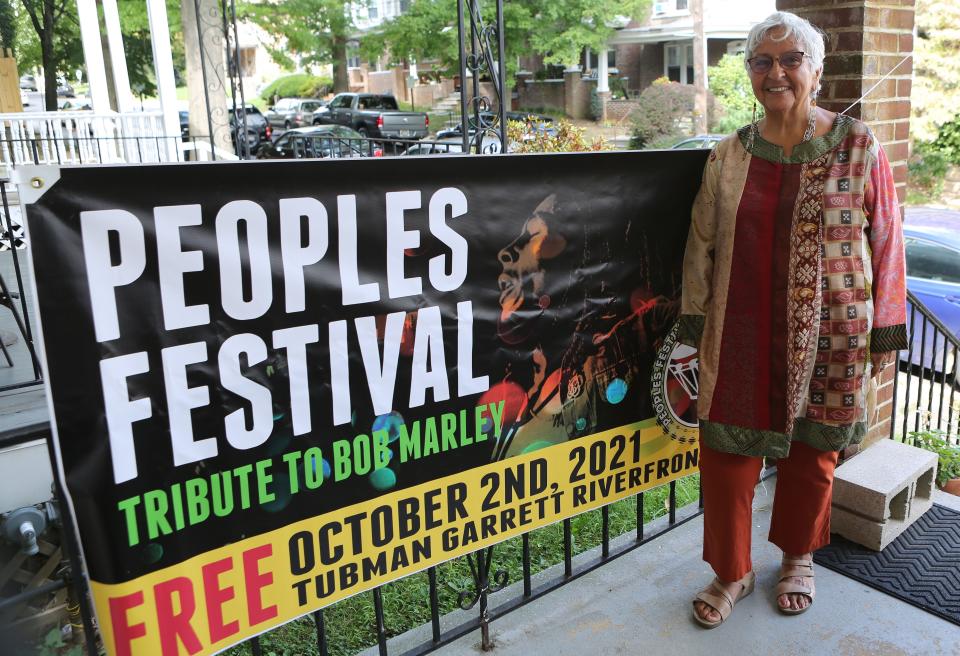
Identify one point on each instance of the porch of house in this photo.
(640, 603)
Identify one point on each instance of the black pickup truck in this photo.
(374, 115)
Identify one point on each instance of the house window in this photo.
(353, 55)
(372, 9)
(593, 60)
(667, 7)
(248, 61)
(678, 62)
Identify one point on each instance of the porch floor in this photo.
(639, 604)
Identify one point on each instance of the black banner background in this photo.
(623, 219)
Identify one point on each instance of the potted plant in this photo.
(948, 455)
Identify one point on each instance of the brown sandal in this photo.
(795, 567)
(720, 600)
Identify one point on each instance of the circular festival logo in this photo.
(675, 384)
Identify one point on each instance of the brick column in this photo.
(866, 39)
(572, 92)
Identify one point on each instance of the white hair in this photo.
(808, 37)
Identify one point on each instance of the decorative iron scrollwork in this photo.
(484, 130)
(482, 584)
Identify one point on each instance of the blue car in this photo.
(932, 240)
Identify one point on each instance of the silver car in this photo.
(294, 112)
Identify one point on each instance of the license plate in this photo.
(406, 133)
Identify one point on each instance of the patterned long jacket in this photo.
(793, 275)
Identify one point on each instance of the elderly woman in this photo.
(793, 291)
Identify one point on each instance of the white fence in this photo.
(81, 137)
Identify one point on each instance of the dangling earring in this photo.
(812, 120)
(754, 129)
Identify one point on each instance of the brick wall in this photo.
(865, 40)
(380, 82)
(619, 110)
(642, 64)
(577, 94)
(542, 94)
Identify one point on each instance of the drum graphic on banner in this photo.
(674, 388)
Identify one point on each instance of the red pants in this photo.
(801, 505)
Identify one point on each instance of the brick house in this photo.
(639, 52)
(662, 45)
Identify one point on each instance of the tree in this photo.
(936, 69)
(315, 31)
(563, 28)
(8, 27)
(51, 20)
(427, 31)
(557, 29)
(138, 47)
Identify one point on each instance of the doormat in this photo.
(920, 567)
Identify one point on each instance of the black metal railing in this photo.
(488, 581)
(82, 150)
(13, 294)
(926, 390)
(303, 145)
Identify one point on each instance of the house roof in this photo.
(678, 32)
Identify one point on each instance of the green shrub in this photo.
(731, 87)
(298, 85)
(567, 138)
(596, 107)
(926, 169)
(948, 141)
(660, 109)
(948, 456)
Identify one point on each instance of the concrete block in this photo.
(881, 491)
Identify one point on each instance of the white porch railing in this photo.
(82, 137)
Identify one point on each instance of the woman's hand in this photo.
(880, 361)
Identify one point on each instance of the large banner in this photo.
(278, 384)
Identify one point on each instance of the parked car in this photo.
(699, 141)
(28, 82)
(184, 125)
(319, 141)
(74, 104)
(489, 146)
(933, 276)
(535, 122)
(64, 90)
(258, 131)
(294, 112)
(374, 115)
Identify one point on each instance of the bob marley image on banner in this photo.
(579, 327)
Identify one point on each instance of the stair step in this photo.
(448, 104)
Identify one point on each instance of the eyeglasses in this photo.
(763, 63)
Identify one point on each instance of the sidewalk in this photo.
(639, 604)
